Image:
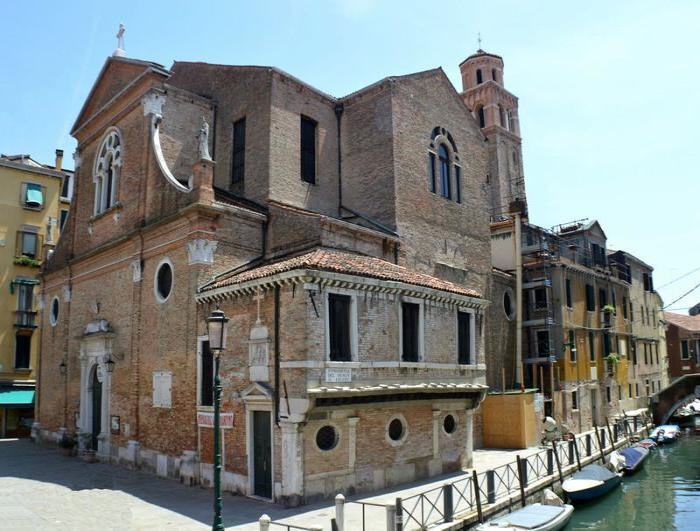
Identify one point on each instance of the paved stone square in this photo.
(42, 489)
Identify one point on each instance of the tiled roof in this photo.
(344, 262)
(689, 322)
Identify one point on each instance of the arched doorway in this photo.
(96, 405)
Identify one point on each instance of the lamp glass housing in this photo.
(216, 325)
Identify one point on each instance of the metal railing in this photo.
(25, 319)
(364, 505)
(463, 496)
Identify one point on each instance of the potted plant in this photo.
(611, 361)
(608, 314)
(67, 445)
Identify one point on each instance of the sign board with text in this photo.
(206, 420)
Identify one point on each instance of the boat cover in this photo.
(530, 517)
(594, 472)
(633, 455)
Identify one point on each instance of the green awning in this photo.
(35, 197)
(16, 397)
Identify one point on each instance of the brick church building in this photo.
(347, 239)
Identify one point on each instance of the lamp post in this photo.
(216, 324)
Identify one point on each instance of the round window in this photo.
(326, 438)
(396, 430)
(53, 311)
(449, 424)
(508, 304)
(164, 281)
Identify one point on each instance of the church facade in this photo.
(347, 240)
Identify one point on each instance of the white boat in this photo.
(535, 517)
(665, 433)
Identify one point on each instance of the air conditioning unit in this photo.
(594, 373)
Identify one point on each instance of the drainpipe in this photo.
(519, 382)
(338, 116)
(277, 356)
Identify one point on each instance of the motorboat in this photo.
(534, 517)
(666, 433)
(591, 482)
(633, 458)
(649, 444)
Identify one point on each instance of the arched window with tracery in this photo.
(444, 171)
(107, 171)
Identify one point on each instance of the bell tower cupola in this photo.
(496, 111)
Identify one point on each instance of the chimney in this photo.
(59, 159)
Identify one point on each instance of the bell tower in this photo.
(496, 111)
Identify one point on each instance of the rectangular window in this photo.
(32, 196)
(542, 339)
(64, 217)
(656, 352)
(458, 184)
(569, 298)
(613, 298)
(602, 298)
(641, 310)
(636, 389)
(206, 387)
(590, 298)
(608, 393)
(624, 307)
(65, 187)
(685, 350)
(629, 390)
(574, 400)
(339, 326)
(646, 354)
(591, 346)
(431, 171)
(308, 150)
(619, 392)
(633, 347)
(25, 297)
(631, 311)
(606, 344)
(23, 348)
(238, 155)
(540, 298)
(464, 338)
(572, 345)
(410, 322)
(27, 244)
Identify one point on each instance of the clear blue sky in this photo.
(607, 90)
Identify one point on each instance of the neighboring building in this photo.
(29, 228)
(346, 238)
(648, 360)
(683, 340)
(575, 336)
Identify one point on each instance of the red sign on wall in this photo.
(206, 420)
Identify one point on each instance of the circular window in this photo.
(164, 280)
(508, 307)
(327, 438)
(449, 424)
(53, 311)
(396, 430)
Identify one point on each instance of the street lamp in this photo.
(109, 365)
(216, 325)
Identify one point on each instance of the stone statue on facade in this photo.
(204, 141)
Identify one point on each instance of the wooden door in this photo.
(96, 408)
(262, 454)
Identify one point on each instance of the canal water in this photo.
(664, 495)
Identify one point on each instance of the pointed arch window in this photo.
(481, 117)
(479, 77)
(107, 171)
(444, 157)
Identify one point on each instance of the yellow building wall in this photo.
(12, 216)
(509, 420)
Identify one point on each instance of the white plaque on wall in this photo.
(259, 353)
(339, 375)
(162, 389)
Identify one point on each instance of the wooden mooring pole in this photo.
(520, 480)
(612, 439)
(600, 443)
(578, 458)
(477, 495)
(556, 459)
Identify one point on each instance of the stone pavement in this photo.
(41, 489)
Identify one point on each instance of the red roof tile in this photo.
(689, 322)
(348, 263)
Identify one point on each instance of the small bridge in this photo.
(668, 400)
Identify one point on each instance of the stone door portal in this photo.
(262, 454)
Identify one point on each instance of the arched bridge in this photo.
(665, 402)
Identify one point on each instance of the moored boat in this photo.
(666, 433)
(633, 458)
(534, 517)
(591, 482)
(649, 444)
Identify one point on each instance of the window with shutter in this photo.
(410, 321)
(464, 338)
(339, 327)
(308, 150)
(206, 388)
(238, 155)
(590, 298)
